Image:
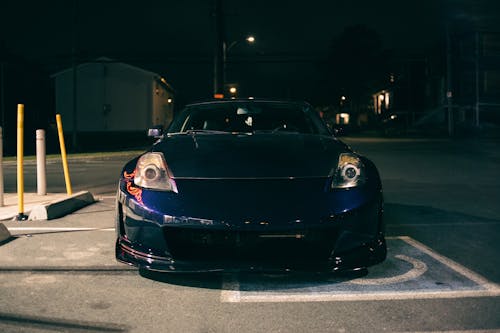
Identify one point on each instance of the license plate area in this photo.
(201, 244)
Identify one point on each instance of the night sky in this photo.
(176, 38)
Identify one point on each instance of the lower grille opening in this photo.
(295, 245)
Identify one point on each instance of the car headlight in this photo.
(349, 173)
(152, 172)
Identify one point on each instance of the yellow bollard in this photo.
(20, 160)
(63, 154)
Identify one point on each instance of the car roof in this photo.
(246, 100)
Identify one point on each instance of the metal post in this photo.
(20, 161)
(41, 179)
(63, 154)
(476, 63)
(224, 65)
(1, 168)
(2, 92)
(449, 84)
(74, 135)
(219, 49)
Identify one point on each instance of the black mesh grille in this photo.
(301, 245)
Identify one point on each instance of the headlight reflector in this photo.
(152, 172)
(349, 172)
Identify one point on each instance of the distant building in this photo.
(476, 78)
(112, 98)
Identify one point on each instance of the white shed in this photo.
(112, 97)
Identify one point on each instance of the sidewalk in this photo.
(41, 207)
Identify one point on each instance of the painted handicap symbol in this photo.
(418, 269)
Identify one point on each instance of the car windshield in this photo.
(249, 117)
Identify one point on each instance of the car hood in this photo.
(281, 155)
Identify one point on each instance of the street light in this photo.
(226, 47)
(343, 100)
(221, 48)
(225, 50)
(233, 91)
(250, 39)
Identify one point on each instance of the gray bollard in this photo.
(41, 175)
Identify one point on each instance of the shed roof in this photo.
(105, 60)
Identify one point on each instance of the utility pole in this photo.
(2, 93)
(449, 84)
(218, 49)
(476, 65)
(3, 61)
(74, 133)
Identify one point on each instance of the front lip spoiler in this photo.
(139, 255)
(356, 259)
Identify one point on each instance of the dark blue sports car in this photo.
(249, 184)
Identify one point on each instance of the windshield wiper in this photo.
(197, 131)
(194, 132)
(282, 130)
(204, 131)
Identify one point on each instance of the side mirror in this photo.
(155, 132)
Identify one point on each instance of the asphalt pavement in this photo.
(57, 203)
(441, 274)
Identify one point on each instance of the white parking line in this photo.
(231, 287)
(452, 264)
(237, 297)
(102, 197)
(230, 290)
(494, 330)
(57, 229)
(450, 224)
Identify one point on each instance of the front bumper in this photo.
(361, 257)
(320, 231)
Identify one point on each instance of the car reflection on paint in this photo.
(249, 185)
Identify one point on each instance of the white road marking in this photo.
(238, 297)
(101, 197)
(452, 264)
(418, 269)
(57, 229)
(231, 287)
(450, 224)
(230, 290)
(493, 330)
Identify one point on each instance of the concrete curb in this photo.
(4, 233)
(61, 207)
